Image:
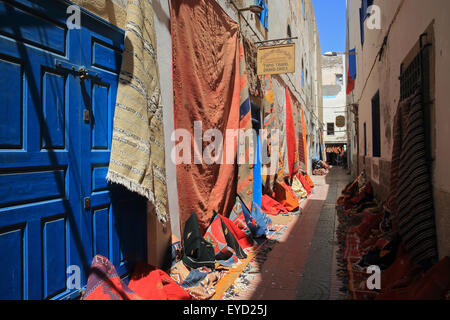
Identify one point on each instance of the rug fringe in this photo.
(133, 186)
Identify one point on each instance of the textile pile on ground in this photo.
(224, 205)
(320, 168)
(368, 236)
(214, 265)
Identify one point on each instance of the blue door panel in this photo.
(29, 28)
(52, 159)
(54, 253)
(11, 260)
(26, 187)
(11, 119)
(53, 111)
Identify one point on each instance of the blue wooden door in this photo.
(56, 209)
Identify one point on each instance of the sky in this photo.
(330, 17)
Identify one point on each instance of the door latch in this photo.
(79, 71)
(87, 203)
(83, 73)
(86, 115)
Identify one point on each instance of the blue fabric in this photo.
(352, 64)
(193, 279)
(257, 179)
(257, 221)
(264, 16)
(244, 108)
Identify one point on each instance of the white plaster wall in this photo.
(164, 49)
(282, 13)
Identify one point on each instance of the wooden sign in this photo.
(276, 59)
(340, 121)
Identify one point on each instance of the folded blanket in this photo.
(198, 283)
(305, 183)
(433, 285)
(226, 247)
(272, 207)
(285, 196)
(298, 188)
(257, 221)
(308, 178)
(197, 252)
(238, 218)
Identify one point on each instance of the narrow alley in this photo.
(224, 150)
(301, 264)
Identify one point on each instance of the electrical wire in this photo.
(380, 51)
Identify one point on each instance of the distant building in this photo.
(334, 110)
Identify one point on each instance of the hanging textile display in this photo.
(257, 180)
(411, 183)
(137, 151)
(290, 136)
(351, 71)
(206, 84)
(270, 142)
(255, 83)
(245, 159)
(301, 144)
(299, 161)
(305, 146)
(280, 119)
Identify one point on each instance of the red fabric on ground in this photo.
(206, 85)
(154, 284)
(401, 271)
(272, 207)
(434, 285)
(308, 178)
(146, 283)
(244, 240)
(285, 196)
(105, 284)
(370, 221)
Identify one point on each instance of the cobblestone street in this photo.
(302, 265)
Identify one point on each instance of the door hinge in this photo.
(86, 115)
(87, 203)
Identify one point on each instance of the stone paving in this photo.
(303, 265)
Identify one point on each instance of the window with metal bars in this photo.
(376, 130)
(411, 78)
(415, 75)
(330, 128)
